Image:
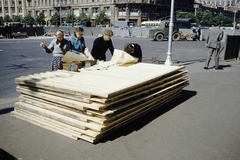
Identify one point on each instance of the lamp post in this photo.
(234, 21)
(169, 53)
(195, 6)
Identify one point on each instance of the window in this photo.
(76, 12)
(107, 11)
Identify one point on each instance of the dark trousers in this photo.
(216, 56)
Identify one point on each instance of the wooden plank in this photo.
(61, 100)
(127, 94)
(58, 117)
(33, 121)
(59, 94)
(65, 127)
(61, 110)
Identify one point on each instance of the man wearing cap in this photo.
(101, 45)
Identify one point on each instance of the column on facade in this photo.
(48, 14)
(10, 9)
(127, 13)
(116, 13)
(235, 1)
(3, 10)
(225, 3)
(90, 12)
(23, 8)
(139, 17)
(16, 8)
(80, 10)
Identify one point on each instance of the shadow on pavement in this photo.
(6, 156)
(147, 118)
(6, 110)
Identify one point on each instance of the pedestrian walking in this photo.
(134, 50)
(213, 44)
(58, 47)
(101, 45)
(198, 32)
(7, 31)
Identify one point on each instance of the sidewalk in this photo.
(202, 124)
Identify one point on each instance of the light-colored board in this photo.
(102, 91)
(59, 109)
(33, 121)
(65, 127)
(58, 117)
(61, 100)
(59, 94)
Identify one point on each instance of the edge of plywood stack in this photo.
(91, 104)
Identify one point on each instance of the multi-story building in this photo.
(129, 10)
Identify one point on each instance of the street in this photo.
(202, 124)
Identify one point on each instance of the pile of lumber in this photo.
(91, 104)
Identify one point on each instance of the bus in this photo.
(186, 23)
(150, 24)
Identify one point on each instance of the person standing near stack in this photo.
(58, 47)
(77, 41)
(134, 50)
(101, 45)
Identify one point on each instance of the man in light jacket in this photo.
(214, 38)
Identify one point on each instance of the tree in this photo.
(225, 21)
(206, 18)
(102, 19)
(55, 20)
(17, 19)
(28, 19)
(71, 18)
(7, 18)
(83, 17)
(40, 19)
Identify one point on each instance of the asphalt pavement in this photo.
(202, 124)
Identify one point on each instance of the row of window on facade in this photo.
(76, 12)
(74, 2)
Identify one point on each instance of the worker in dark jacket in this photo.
(101, 45)
(134, 50)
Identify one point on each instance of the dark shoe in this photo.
(205, 68)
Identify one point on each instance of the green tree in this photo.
(28, 19)
(17, 19)
(206, 18)
(40, 19)
(71, 18)
(225, 21)
(102, 19)
(83, 17)
(55, 20)
(180, 14)
(7, 18)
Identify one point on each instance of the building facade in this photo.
(128, 10)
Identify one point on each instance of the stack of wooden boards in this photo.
(91, 104)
